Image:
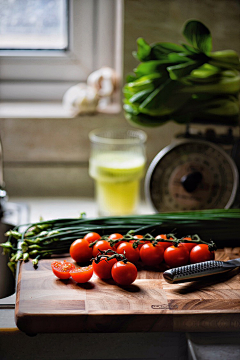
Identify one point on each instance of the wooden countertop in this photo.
(47, 304)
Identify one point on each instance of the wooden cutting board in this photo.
(47, 304)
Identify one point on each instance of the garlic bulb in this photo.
(80, 99)
(104, 81)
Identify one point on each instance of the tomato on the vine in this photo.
(165, 244)
(137, 237)
(92, 236)
(151, 254)
(201, 253)
(116, 236)
(188, 245)
(103, 267)
(141, 243)
(62, 269)
(176, 256)
(100, 245)
(83, 274)
(129, 251)
(124, 273)
(80, 250)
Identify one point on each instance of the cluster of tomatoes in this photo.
(116, 256)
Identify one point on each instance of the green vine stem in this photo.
(148, 237)
(109, 255)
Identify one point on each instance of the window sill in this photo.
(50, 110)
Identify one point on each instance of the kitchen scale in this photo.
(196, 171)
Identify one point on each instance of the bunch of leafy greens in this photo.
(184, 82)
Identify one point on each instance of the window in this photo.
(46, 46)
(34, 25)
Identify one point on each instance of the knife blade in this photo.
(198, 271)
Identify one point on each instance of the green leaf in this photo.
(143, 83)
(198, 36)
(164, 100)
(130, 108)
(181, 70)
(205, 72)
(140, 96)
(228, 59)
(149, 67)
(130, 78)
(143, 51)
(227, 85)
(153, 66)
(159, 66)
(127, 93)
(190, 49)
(160, 49)
(177, 58)
(154, 104)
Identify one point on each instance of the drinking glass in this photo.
(117, 164)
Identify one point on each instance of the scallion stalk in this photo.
(220, 226)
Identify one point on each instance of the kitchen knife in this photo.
(199, 270)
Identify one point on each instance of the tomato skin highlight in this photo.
(103, 268)
(138, 237)
(82, 275)
(100, 245)
(62, 269)
(92, 236)
(128, 250)
(165, 244)
(176, 256)
(152, 255)
(124, 273)
(200, 253)
(80, 251)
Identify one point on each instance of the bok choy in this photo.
(183, 83)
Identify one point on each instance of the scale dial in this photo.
(191, 175)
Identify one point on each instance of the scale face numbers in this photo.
(191, 175)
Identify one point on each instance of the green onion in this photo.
(220, 226)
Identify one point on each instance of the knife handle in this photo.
(196, 271)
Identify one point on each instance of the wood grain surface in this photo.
(47, 304)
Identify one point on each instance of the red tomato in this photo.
(115, 237)
(152, 255)
(80, 250)
(124, 273)
(188, 245)
(175, 256)
(62, 269)
(128, 250)
(138, 237)
(92, 236)
(165, 244)
(83, 274)
(201, 253)
(100, 245)
(103, 268)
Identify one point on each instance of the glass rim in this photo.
(97, 135)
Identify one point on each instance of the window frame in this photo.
(45, 75)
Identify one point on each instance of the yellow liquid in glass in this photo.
(117, 176)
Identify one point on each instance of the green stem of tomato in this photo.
(109, 255)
